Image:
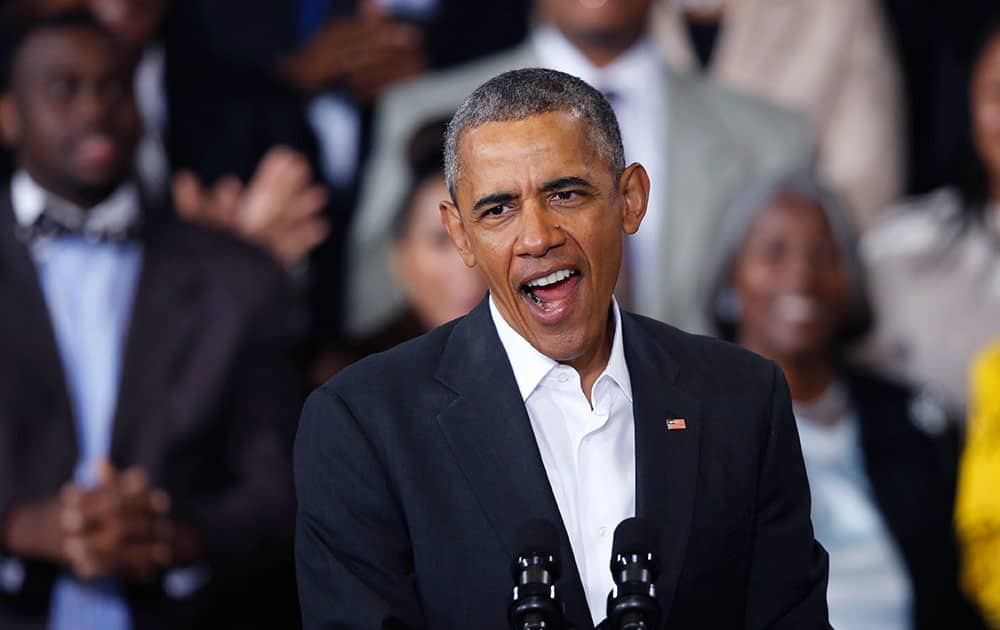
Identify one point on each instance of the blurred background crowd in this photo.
(209, 207)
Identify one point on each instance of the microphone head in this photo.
(632, 602)
(633, 536)
(537, 536)
(535, 569)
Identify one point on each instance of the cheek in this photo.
(493, 260)
(753, 285)
(755, 281)
(987, 122)
(601, 244)
(988, 113)
(433, 267)
(46, 134)
(444, 264)
(837, 294)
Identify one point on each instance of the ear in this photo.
(451, 218)
(10, 124)
(634, 189)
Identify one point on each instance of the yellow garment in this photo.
(977, 512)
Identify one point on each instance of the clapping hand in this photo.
(120, 526)
(280, 209)
(362, 54)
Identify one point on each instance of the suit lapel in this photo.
(890, 459)
(666, 460)
(28, 335)
(161, 334)
(488, 429)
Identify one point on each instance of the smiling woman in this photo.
(934, 259)
(790, 288)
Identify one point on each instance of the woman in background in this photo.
(934, 263)
(437, 284)
(880, 461)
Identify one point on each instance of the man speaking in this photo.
(415, 467)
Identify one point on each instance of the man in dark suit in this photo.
(147, 398)
(415, 467)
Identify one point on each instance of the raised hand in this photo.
(279, 210)
(362, 54)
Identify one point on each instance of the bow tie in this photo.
(50, 226)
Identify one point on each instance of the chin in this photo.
(94, 189)
(562, 347)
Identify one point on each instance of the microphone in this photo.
(535, 570)
(632, 602)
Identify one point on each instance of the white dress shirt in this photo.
(636, 87)
(588, 452)
(869, 586)
(152, 163)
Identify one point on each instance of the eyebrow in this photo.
(564, 182)
(495, 199)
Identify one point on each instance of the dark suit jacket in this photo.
(414, 468)
(913, 475)
(207, 406)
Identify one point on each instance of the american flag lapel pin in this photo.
(676, 424)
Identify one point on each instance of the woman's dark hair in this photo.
(971, 177)
(425, 157)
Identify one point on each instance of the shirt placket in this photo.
(595, 461)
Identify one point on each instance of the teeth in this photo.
(797, 307)
(552, 278)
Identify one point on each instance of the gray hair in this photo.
(519, 94)
(735, 227)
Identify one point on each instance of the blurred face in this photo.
(986, 109)
(438, 284)
(70, 114)
(542, 217)
(599, 22)
(791, 281)
(135, 21)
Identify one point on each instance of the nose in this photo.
(540, 231)
(803, 270)
(91, 108)
(99, 102)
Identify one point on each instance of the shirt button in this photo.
(603, 531)
(563, 377)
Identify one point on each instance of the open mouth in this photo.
(549, 296)
(797, 308)
(97, 149)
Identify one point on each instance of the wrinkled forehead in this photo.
(518, 155)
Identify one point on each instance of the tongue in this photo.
(556, 291)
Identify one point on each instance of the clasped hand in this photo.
(121, 525)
